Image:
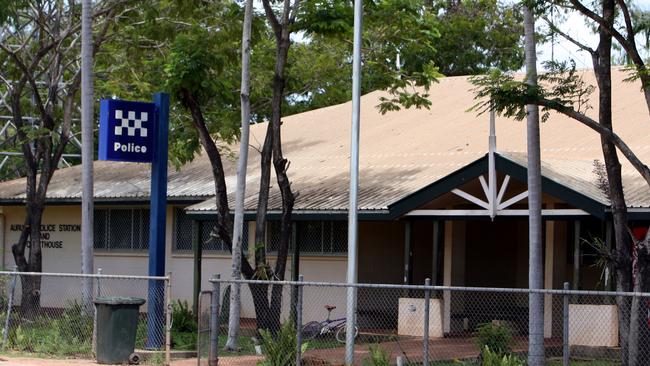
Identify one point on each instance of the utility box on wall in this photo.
(410, 321)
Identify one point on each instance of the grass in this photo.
(67, 335)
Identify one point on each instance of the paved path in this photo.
(439, 349)
(25, 361)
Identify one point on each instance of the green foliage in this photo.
(493, 358)
(495, 337)
(156, 359)
(184, 327)
(192, 65)
(67, 335)
(603, 258)
(410, 43)
(561, 87)
(378, 356)
(178, 46)
(9, 10)
(141, 334)
(398, 48)
(477, 35)
(280, 348)
(194, 46)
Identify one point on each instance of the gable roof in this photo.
(400, 153)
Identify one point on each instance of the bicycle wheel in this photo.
(311, 330)
(341, 332)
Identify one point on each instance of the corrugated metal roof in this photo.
(401, 152)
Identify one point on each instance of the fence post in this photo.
(99, 293)
(299, 289)
(168, 319)
(10, 304)
(213, 356)
(99, 288)
(427, 298)
(565, 327)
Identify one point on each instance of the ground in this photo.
(26, 361)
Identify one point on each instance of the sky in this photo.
(576, 27)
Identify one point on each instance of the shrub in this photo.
(141, 332)
(280, 349)
(496, 337)
(378, 357)
(69, 334)
(491, 358)
(184, 326)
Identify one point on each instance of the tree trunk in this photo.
(602, 69)
(31, 285)
(535, 273)
(235, 293)
(261, 267)
(223, 228)
(273, 141)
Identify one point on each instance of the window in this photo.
(183, 234)
(315, 237)
(121, 229)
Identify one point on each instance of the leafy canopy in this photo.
(562, 86)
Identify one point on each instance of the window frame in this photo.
(323, 228)
(175, 236)
(140, 212)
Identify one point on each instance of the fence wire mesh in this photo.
(390, 323)
(46, 313)
(203, 327)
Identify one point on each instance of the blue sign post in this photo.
(155, 310)
(138, 132)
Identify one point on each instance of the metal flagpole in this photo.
(354, 185)
(87, 152)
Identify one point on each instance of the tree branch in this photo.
(273, 20)
(602, 130)
(628, 21)
(629, 48)
(557, 30)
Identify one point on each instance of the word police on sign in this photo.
(126, 130)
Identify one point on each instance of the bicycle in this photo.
(315, 328)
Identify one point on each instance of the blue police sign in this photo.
(127, 130)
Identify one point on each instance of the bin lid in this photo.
(117, 300)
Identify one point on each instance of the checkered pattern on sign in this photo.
(130, 123)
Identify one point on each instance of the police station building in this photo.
(427, 204)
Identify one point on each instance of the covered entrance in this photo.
(470, 229)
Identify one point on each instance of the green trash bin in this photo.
(117, 322)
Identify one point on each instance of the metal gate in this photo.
(203, 336)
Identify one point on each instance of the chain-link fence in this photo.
(430, 325)
(46, 314)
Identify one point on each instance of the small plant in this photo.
(156, 359)
(69, 334)
(378, 356)
(280, 349)
(496, 337)
(491, 358)
(184, 326)
(141, 333)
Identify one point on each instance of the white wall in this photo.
(67, 258)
